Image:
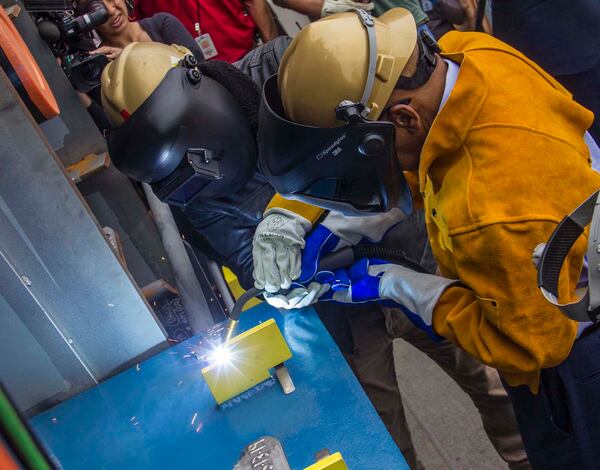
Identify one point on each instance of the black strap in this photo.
(480, 16)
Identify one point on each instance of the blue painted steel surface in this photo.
(162, 415)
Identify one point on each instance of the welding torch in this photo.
(339, 259)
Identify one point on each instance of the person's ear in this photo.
(405, 117)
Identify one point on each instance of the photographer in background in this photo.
(225, 29)
(118, 31)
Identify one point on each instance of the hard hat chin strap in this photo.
(352, 111)
(426, 62)
(369, 24)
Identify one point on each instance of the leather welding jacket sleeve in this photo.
(504, 162)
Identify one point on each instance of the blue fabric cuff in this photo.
(320, 241)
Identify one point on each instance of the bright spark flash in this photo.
(221, 356)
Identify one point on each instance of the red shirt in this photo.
(230, 27)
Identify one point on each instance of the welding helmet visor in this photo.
(351, 169)
(189, 139)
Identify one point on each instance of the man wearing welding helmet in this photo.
(189, 130)
(494, 149)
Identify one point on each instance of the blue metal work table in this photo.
(160, 414)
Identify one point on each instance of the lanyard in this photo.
(198, 15)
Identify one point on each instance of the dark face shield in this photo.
(190, 139)
(351, 169)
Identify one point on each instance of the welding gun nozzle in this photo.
(230, 329)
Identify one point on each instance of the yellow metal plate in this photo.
(331, 462)
(250, 355)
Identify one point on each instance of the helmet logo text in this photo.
(334, 148)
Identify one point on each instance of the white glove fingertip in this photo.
(286, 283)
(276, 301)
(306, 301)
(271, 288)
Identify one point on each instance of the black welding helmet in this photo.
(319, 138)
(190, 138)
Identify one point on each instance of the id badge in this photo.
(207, 46)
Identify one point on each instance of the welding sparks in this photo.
(194, 418)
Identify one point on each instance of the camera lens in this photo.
(91, 71)
(86, 72)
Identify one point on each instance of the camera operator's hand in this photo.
(111, 53)
(85, 100)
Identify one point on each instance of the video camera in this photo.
(66, 26)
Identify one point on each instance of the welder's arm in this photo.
(261, 13)
(316, 9)
(502, 318)
(310, 8)
(451, 10)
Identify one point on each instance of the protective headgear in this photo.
(183, 131)
(319, 140)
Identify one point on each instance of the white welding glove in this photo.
(278, 240)
(331, 7)
(338, 231)
(299, 297)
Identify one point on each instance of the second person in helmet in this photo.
(189, 130)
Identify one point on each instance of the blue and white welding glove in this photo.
(278, 241)
(338, 231)
(373, 280)
(335, 232)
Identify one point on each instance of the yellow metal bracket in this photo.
(246, 361)
(331, 462)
